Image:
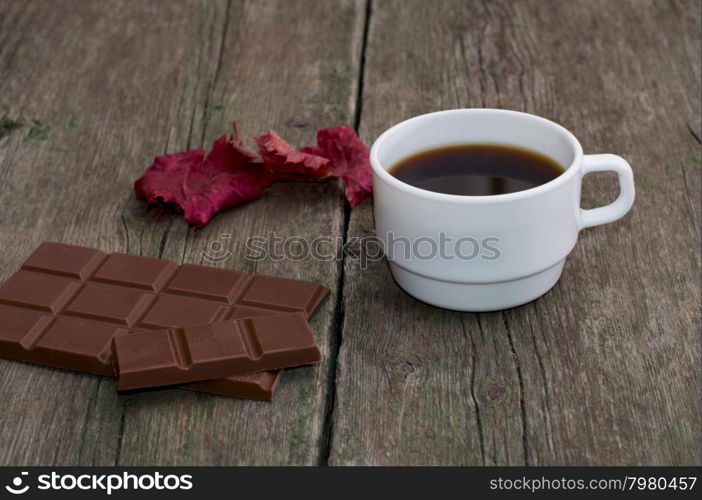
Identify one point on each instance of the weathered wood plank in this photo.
(605, 368)
(100, 88)
(291, 66)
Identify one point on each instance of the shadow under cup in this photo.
(477, 253)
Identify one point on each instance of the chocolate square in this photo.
(283, 294)
(134, 271)
(19, 328)
(38, 291)
(67, 260)
(109, 303)
(77, 343)
(170, 311)
(208, 282)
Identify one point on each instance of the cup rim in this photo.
(570, 170)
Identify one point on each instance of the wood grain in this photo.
(117, 84)
(99, 89)
(293, 79)
(605, 368)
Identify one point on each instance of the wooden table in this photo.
(604, 369)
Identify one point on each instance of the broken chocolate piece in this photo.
(214, 350)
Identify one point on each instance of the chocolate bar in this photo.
(211, 351)
(67, 302)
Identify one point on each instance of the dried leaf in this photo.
(281, 157)
(231, 175)
(202, 186)
(349, 159)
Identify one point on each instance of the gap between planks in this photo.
(339, 311)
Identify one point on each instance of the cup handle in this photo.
(619, 207)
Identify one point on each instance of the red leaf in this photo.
(349, 159)
(231, 175)
(163, 180)
(339, 153)
(228, 176)
(281, 157)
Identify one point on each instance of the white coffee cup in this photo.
(519, 240)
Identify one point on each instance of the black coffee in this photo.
(476, 169)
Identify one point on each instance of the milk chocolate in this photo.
(67, 302)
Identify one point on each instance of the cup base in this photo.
(477, 297)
